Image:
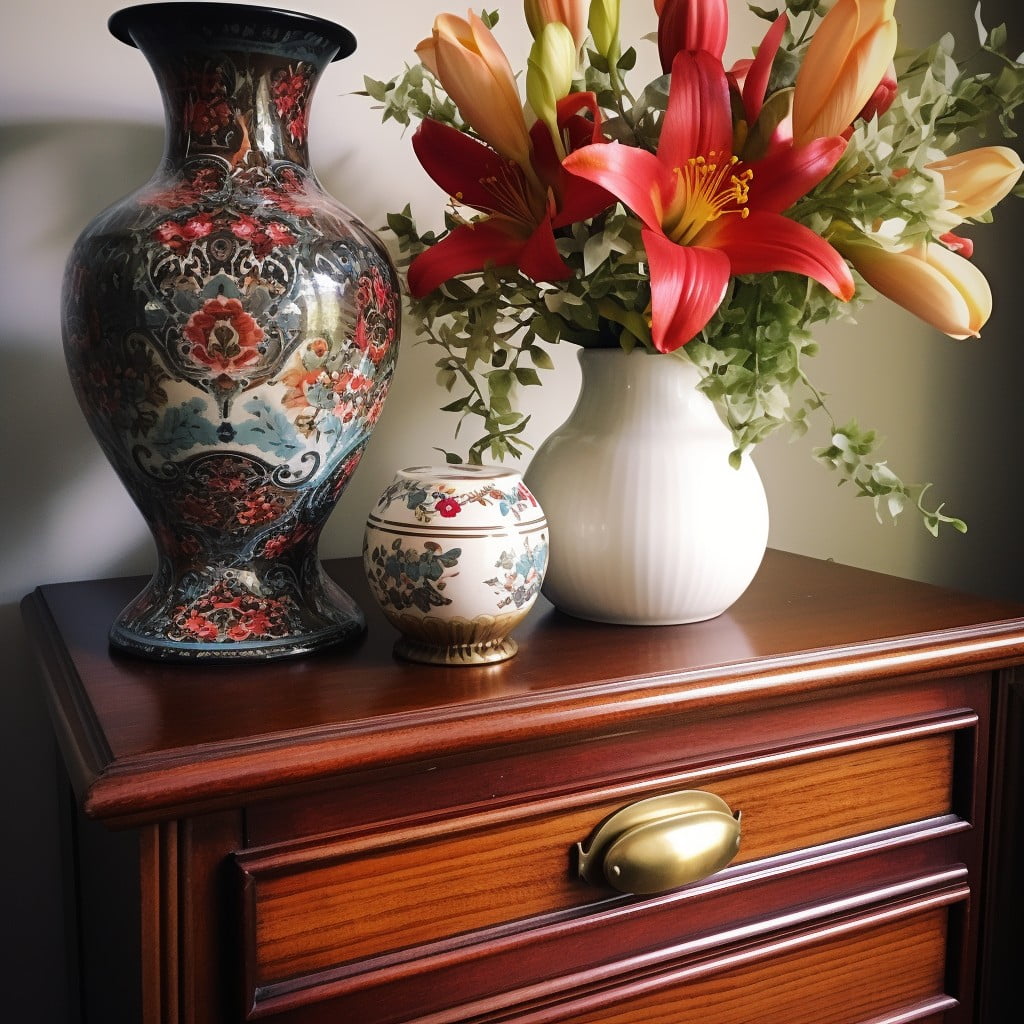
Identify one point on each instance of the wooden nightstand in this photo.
(352, 839)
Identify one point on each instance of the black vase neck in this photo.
(236, 80)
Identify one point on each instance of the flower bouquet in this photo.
(716, 214)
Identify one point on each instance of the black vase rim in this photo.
(120, 23)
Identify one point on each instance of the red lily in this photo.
(751, 76)
(707, 216)
(691, 25)
(522, 208)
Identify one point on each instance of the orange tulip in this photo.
(930, 281)
(571, 13)
(848, 57)
(468, 62)
(977, 179)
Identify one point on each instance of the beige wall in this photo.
(80, 125)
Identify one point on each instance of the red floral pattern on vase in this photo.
(229, 612)
(279, 543)
(194, 188)
(317, 385)
(231, 495)
(290, 90)
(223, 335)
(263, 505)
(207, 110)
(178, 237)
(347, 469)
(263, 236)
(375, 316)
(289, 195)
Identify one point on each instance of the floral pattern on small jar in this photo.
(448, 501)
(522, 572)
(406, 577)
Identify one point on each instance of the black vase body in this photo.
(231, 332)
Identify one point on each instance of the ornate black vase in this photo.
(231, 332)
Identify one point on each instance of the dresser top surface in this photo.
(136, 732)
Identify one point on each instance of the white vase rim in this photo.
(458, 473)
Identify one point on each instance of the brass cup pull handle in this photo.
(661, 843)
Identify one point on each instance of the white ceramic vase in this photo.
(455, 557)
(649, 523)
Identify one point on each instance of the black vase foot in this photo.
(238, 615)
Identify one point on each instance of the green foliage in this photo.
(412, 96)
(493, 330)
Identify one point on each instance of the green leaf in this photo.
(499, 383)
(450, 457)
(527, 377)
(447, 378)
(374, 89)
(997, 38)
(400, 223)
(540, 358)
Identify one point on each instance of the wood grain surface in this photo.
(145, 739)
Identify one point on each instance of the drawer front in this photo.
(329, 911)
(869, 972)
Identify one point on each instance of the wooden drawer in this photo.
(889, 966)
(326, 916)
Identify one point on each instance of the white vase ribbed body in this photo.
(649, 524)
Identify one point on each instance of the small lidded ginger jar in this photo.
(455, 556)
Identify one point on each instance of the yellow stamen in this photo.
(455, 209)
(705, 191)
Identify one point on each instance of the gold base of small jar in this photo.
(487, 653)
(434, 640)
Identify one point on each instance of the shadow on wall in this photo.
(66, 490)
(989, 467)
(65, 515)
(946, 411)
(53, 178)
